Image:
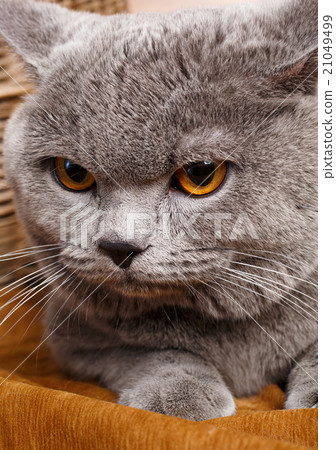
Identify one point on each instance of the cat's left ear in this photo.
(298, 76)
(294, 29)
(35, 29)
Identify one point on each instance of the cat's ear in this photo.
(296, 25)
(298, 76)
(34, 29)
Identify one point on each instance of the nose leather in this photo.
(122, 253)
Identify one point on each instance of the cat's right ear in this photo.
(296, 22)
(34, 30)
(300, 76)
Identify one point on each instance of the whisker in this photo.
(44, 284)
(19, 250)
(266, 297)
(35, 304)
(295, 260)
(266, 259)
(101, 301)
(263, 329)
(49, 294)
(16, 296)
(64, 303)
(25, 255)
(266, 280)
(274, 271)
(38, 246)
(197, 294)
(256, 293)
(60, 324)
(21, 293)
(270, 290)
(27, 265)
(252, 280)
(16, 255)
(55, 329)
(284, 303)
(26, 278)
(29, 288)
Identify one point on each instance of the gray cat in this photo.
(190, 140)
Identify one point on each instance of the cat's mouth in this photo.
(130, 282)
(150, 275)
(147, 290)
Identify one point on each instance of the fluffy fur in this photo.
(132, 98)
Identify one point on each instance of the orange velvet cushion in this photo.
(42, 409)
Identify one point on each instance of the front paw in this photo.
(305, 396)
(186, 397)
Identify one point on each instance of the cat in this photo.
(190, 140)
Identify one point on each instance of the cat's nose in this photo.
(122, 253)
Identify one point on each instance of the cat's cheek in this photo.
(13, 146)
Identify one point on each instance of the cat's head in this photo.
(152, 106)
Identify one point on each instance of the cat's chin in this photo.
(144, 289)
(132, 286)
(128, 282)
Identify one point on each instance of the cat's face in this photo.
(133, 99)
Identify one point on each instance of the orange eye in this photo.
(72, 176)
(200, 178)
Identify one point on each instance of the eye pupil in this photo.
(201, 173)
(199, 178)
(74, 171)
(71, 175)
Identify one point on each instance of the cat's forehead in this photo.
(144, 103)
(144, 131)
(145, 94)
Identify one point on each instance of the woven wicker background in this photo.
(13, 86)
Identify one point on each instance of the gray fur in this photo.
(132, 98)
